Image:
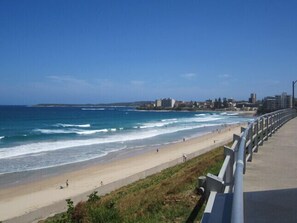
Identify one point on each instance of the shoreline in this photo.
(241, 113)
(32, 200)
(14, 179)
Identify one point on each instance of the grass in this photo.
(168, 196)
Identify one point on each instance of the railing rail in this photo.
(230, 177)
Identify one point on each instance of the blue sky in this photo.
(58, 51)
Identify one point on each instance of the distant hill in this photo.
(119, 104)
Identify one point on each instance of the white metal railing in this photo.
(230, 177)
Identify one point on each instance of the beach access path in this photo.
(270, 182)
(34, 201)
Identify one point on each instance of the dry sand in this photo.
(42, 198)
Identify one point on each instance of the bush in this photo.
(93, 197)
(79, 212)
(103, 214)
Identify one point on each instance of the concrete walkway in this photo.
(270, 182)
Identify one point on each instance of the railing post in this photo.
(283, 119)
(244, 154)
(213, 183)
(257, 136)
(229, 172)
(272, 124)
(269, 126)
(250, 146)
(266, 130)
(238, 138)
(262, 130)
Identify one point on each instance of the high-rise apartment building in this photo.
(165, 103)
(277, 102)
(253, 98)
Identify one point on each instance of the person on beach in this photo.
(184, 139)
(157, 150)
(184, 157)
(67, 184)
(101, 183)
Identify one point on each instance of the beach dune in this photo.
(36, 200)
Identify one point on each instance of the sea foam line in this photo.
(93, 109)
(166, 122)
(86, 158)
(73, 125)
(57, 145)
(73, 131)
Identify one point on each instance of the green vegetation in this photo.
(168, 196)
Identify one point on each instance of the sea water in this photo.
(33, 138)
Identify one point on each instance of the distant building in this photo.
(168, 103)
(277, 102)
(158, 103)
(286, 100)
(208, 104)
(165, 103)
(289, 101)
(253, 98)
(269, 103)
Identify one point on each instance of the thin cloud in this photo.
(189, 76)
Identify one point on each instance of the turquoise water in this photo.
(34, 138)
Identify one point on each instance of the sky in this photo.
(104, 51)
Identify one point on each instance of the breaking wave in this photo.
(73, 125)
(57, 145)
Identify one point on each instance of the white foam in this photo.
(202, 119)
(57, 145)
(90, 132)
(199, 115)
(54, 131)
(73, 131)
(199, 118)
(152, 125)
(210, 119)
(2, 137)
(232, 114)
(169, 120)
(93, 109)
(86, 158)
(73, 125)
(164, 122)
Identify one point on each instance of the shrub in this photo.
(103, 214)
(93, 197)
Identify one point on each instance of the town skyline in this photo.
(117, 51)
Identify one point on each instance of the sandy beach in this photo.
(36, 200)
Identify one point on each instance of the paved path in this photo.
(270, 182)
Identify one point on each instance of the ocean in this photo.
(34, 138)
